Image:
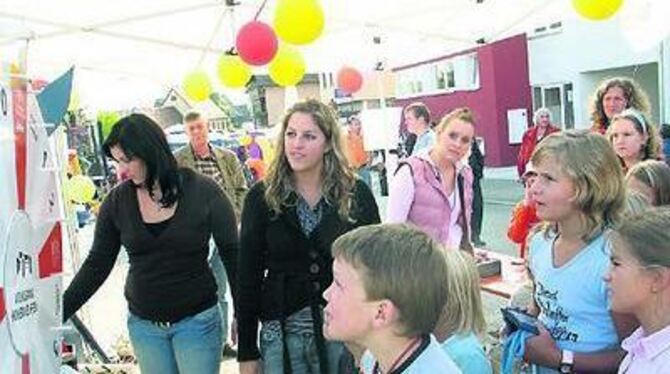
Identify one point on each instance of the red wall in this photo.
(504, 85)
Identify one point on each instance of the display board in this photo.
(517, 124)
(381, 128)
(30, 238)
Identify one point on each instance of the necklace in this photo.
(409, 349)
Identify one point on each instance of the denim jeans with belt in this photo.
(301, 344)
(190, 346)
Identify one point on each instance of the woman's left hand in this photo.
(233, 331)
(542, 349)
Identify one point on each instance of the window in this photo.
(558, 99)
(568, 111)
(444, 74)
(453, 74)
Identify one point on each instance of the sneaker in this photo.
(228, 351)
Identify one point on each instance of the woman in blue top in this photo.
(579, 192)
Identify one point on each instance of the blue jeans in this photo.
(221, 284)
(190, 346)
(301, 348)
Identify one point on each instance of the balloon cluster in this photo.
(296, 22)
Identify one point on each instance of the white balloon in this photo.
(644, 24)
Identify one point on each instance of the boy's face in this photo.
(348, 316)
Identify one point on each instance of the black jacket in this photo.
(476, 161)
(280, 269)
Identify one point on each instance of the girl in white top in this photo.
(639, 282)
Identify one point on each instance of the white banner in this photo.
(30, 239)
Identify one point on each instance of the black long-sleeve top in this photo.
(280, 269)
(169, 277)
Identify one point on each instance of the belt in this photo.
(165, 325)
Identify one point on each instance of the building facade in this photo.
(491, 79)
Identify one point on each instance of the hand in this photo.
(503, 331)
(250, 367)
(542, 349)
(233, 331)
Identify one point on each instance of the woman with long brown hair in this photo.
(309, 197)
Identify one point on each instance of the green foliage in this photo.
(107, 120)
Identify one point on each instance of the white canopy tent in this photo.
(127, 52)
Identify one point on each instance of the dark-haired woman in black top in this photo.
(164, 217)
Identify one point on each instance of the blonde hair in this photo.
(402, 264)
(636, 98)
(590, 163)
(464, 114)
(646, 237)
(652, 147)
(655, 175)
(636, 202)
(463, 313)
(337, 177)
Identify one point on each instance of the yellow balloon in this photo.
(288, 66)
(233, 72)
(197, 86)
(245, 140)
(80, 189)
(267, 148)
(75, 100)
(597, 10)
(298, 21)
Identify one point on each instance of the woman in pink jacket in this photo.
(433, 189)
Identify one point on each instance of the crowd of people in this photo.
(320, 285)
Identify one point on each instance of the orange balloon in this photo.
(349, 80)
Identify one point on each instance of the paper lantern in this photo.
(80, 189)
(288, 67)
(196, 86)
(233, 72)
(298, 21)
(349, 80)
(597, 10)
(256, 43)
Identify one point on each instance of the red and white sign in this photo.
(30, 239)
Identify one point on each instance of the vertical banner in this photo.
(30, 237)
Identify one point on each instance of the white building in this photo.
(568, 59)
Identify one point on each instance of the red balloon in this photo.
(256, 43)
(349, 80)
